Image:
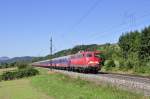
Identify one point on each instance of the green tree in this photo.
(144, 52)
(130, 42)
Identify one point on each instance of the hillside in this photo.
(16, 59)
(4, 58)
(74, 50)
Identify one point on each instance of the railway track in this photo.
(136, 78)
(128, 75)
(134, 83)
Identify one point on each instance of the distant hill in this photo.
(4, 58)
(16, 59)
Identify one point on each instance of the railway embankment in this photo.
(126, 82)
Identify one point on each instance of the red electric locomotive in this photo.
(87, 61)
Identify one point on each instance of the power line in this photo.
(89, 11)
(120, 25)
(85, 15)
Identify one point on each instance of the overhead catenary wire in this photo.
(120, 26)
(86, 14)
(107, 32)
(82, 18)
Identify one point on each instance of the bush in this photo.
(19, 74)
(26, 72)
(148, 64)
(22, 65)
(8, 75)
(140, 69)
(0, 77)
(129, 64)
(121, 64)
(117, 63)
(109, 64)
(148, 70)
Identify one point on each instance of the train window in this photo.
(88, 55)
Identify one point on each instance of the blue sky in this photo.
(26, 25)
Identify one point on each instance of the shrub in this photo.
(19, 74)
(0, 77)
(22, 65)
(109, 64)
(8, 75)
(121, 64)
(31, 72)
(148, 64)
(140, 69)
(129, 64)
(126, 64)
(117, 63)
(26, 72)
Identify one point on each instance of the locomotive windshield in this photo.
(88, 55)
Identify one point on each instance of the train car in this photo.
(87, 61)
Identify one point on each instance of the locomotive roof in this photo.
(82, 52)
(68, 56)
(54, 59)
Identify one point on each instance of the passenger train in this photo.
(86, 61)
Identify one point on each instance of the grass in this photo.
(42, 71)
(58, 86)
(63, 87)
(20, 89)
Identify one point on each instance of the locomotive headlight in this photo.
(93, 62)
